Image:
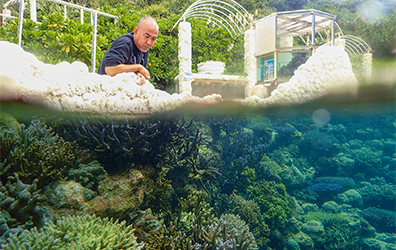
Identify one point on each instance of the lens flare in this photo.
(373, 11)
(321, 117)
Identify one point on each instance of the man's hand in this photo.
(142, 78)
(144, 72)
(121, 68)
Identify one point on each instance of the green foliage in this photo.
(76, 232)
(35, 152)
(56, 39)
(379, 35)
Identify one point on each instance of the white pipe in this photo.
(20, 22)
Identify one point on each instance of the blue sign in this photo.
(269, 67)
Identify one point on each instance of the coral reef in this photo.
(119, 194)
(68, 195)
(250, 212)
(273, 199)
(350, 197)
(332, 184)
(35, 152)
(381, 195)
(76, 232)
(88, 175)
(230, 232)
(20, 205)
(383, 220)
(137, 142)
(319, 143)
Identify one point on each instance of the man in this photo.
(129, 53)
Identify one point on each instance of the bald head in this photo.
(145, 33)
(146, 20)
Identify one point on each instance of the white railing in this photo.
(33, 17)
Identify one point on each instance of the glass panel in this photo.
(288, 62)
(265, 68)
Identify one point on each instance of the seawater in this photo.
(315, 176)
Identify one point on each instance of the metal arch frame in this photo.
(355, 45)
(203, 7)
(359, 45)
(205, 10)
(219, 23)
(219, 6)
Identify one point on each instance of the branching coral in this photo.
(35, 152)
(88, 175)
(76, 232)
(138, 142)
(19, 204)
(272, 199)
(250, 212)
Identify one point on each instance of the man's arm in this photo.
(121, 68)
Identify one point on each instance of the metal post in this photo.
(33, 11)
(20, 22)
(332, 33)
(81, 16)
(95, 21)
(313, 29)
(276, 49)
(65, 11)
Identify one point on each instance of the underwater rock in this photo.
(68, 194)
(119, 194)
(350, 197)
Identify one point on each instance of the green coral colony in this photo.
(202, 182)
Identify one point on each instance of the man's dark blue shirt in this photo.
(123, 51)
